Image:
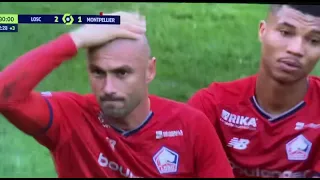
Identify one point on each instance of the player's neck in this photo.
(134, 119)
(276, 98)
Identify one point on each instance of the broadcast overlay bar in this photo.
(11, 21)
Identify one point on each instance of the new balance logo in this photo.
(240, 144)
(112, 143)
(242, 122)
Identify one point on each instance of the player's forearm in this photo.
(25, 73)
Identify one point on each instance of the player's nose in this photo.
(109, 87)
(296, 47)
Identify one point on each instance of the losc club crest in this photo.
(298, 148)
(166, 161)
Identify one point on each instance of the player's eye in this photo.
(315, 41)
(285, 33)
(98, 73)
(121, 73)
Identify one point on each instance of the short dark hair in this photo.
(313, 10)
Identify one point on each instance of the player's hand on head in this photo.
(132, 26)
(132, 22)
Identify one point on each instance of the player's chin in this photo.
(287, 77)
(115, 113)
(114, 110)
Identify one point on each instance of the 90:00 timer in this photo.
(6, 19)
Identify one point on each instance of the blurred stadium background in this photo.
(195, 44)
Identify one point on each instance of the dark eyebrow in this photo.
(124, 67)
(120, 68)
(286, 24)
(314, 31)
(317, 32)
(94, 67)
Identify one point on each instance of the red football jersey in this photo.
(256, 144)
(170, 143)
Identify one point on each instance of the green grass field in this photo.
(195, 44)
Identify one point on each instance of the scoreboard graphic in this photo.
(10, 22)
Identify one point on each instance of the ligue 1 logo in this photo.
(67, 19)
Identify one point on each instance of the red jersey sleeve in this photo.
(30, 111)
(41, 116)
(62, 106)
(211, 159)
(204, 101)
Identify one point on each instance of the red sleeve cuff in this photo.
(64, 46)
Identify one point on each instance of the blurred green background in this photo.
(195, 44)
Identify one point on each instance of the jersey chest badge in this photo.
(298, 149)
(166, 161)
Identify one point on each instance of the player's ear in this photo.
(151, 71)
(262, 28)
